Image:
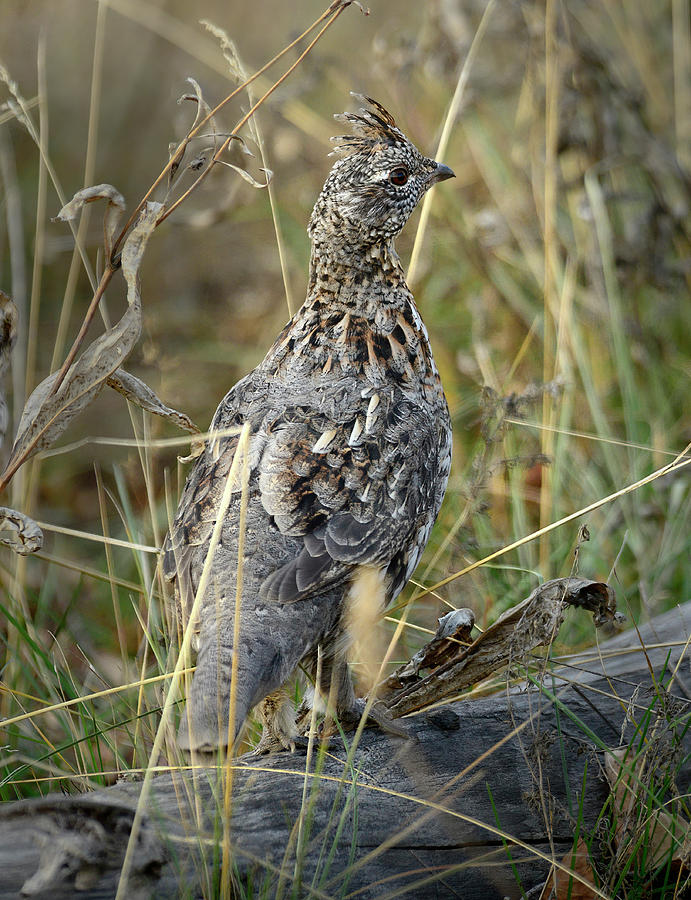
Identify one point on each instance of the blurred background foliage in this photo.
(553, 278)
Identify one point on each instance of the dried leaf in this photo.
(203, 107)
(88, 195)
(134, 248)
(178, 151)
(8, 335)
(197, 447)
(140, 393)
(451, 636)
(560, 886)
(47, 414)
(243, 173)
(111, 217)
(663, 832)
(19, 532)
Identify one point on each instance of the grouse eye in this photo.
(398, 176)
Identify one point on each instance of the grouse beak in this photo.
(441, 173)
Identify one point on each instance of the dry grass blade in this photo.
(47, 413)
(366, 600)
(449, 122)
(182, 663)
(680, 461)
(244, 479)
(136, 391)
(19, 532)
(243, 173)
(532, 623)
(627, 779)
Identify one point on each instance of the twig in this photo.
(331, 14)
(224, 146)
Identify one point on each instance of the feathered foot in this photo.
(277, 715)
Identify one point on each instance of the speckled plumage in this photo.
(350, 450)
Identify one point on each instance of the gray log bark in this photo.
(434, 837)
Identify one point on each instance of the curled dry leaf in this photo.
(452, 634)
(633, 818)
(532, 623)
(203, 108)
(561, 886)
(197, 447)
(177, 151)
(140, 393)
(19, 532)
(47, 414)
(133, 251)
(243, 173)
(114, 209)
(88, 195)
(8, 335)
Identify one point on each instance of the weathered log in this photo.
(432, 816)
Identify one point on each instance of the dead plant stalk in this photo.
(330, 15)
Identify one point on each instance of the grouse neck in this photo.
(358, 317)
(340, 269)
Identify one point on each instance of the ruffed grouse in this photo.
(349, 454)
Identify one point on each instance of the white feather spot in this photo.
(356, 432)
(371, 409)
(322, 445)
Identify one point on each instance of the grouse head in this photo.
(376, 182)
